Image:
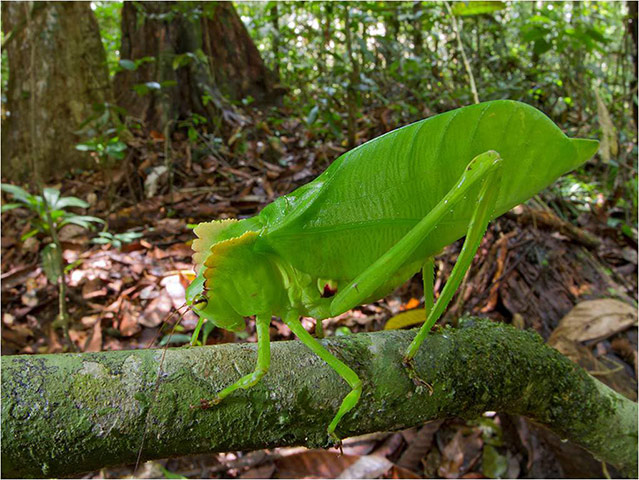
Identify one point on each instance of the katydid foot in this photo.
(206, 404)
(335, 442)
(409, 365)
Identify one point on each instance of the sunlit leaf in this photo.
(71, 202)
(51, 195)
(406, 319)
(312, 115)
(18, 193)
(476, 8)
(10, 206)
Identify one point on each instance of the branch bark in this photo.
(65, 414)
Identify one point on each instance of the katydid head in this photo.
(218, 316)
(239, 276)
(235, 278)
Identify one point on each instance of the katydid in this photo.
(374, 218)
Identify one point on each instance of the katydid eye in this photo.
(200, 302)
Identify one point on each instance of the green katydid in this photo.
(374, 218)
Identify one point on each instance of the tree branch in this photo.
(68, 413)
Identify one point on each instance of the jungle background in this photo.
(124, 124)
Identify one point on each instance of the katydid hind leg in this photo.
(428, 279)
(365, 284)
(476, 229)
(343, 370)
(262, 323)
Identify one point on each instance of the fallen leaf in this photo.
(156, 311)
(406, 319)
(174, 289)
(368, 466)
(412, 303)
(313, 464)
(461, 453)
(595, 320)
(419, 446)
(94, 342)
(261, 471)
(399, 472)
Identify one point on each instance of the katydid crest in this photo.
(373, 219)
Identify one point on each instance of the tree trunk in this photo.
(58, 71)
(275, 21)
(632, 30)
(418, 37)
(195, 54)
(69, 413)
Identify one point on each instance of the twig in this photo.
(471, 78)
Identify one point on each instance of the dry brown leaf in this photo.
(313, 464)
(399, 472)
(419, 446)
(368, 466)
(261, 471)
(603, 368)
(94, 342)
(156, 311)
(174, 289)
(595, 320)
(389, 446)
(461, 453)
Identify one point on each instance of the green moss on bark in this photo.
(64, 414)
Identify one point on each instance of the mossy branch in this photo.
(65, 414)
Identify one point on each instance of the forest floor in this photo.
(531, 270)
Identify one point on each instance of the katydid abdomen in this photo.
(372, 196)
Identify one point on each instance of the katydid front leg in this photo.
(484, 168)
(343, 370)
(262, 323)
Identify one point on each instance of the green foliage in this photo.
(52, 205)
(476, 8)
(400, 63)
(552, 55)
(115, 239)
(104, 131)
(108, 15)
(50, 212)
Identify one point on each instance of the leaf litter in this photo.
(118, 296)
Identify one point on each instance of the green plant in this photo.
(53, 205)
(105, 133)
(115, 239)
(50, 216)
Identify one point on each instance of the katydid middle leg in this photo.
(262, 323)
(343, 370)
(428, 280)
